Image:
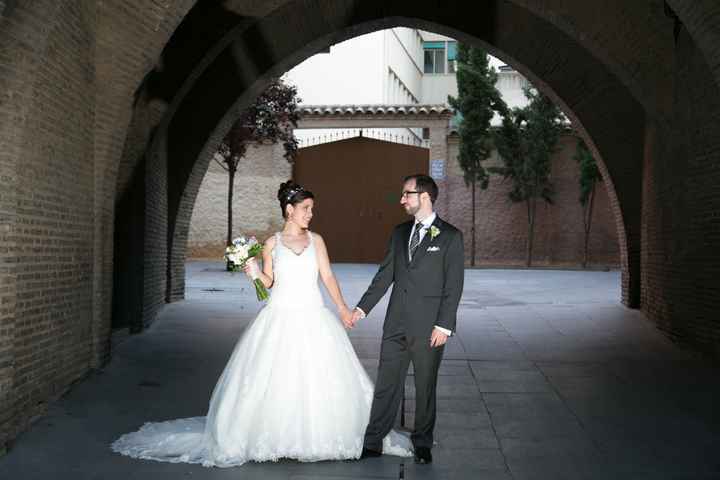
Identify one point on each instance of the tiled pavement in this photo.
(549, 377)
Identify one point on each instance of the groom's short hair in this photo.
(424, 183)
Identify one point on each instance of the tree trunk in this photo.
(587, 222)
(472, 255)
(231, 184)
(531, 231)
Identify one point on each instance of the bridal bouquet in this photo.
(243, 249)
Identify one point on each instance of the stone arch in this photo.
(623, 146)
(666, 93)
(694, 16)
(644, 28)
(117, 112)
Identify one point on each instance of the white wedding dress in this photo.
(293, 387)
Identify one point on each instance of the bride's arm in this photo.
(266, 276)
(327, 276)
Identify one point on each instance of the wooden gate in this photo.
(357, 184)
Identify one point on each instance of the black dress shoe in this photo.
(423, 455)
(368, 453)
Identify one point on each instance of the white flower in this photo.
(434, 232)
(239, 251)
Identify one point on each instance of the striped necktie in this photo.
(415, 240)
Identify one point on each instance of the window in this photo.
(437, 54)
(452, 57)
(434, 53)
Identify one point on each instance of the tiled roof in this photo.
(332, 110)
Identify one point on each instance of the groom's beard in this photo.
(412, 210)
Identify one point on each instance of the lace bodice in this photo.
(295, 275)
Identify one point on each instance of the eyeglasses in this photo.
(408, 192)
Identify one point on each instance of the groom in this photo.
(425, 262)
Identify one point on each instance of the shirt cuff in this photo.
(444, 330)
(362, 313)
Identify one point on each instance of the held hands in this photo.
(356, 316)
(437, 338)
(347, 318)
(350, 317)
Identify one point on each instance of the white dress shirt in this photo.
(426, 223)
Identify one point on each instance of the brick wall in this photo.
(156, 233)
(67, 74)
(681, 227)
(136, 174)
(501, 226)
(53, 186)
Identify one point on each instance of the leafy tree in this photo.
(526, 141)
(477, 102)
(270, 119)
(589, 178)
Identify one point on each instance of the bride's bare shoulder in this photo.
(317, 237)
(270, 242)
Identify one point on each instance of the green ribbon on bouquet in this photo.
(260, 290)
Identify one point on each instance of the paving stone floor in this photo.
(549, 377)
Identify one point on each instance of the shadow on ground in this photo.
(549, 377)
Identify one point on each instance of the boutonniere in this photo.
(434, 232)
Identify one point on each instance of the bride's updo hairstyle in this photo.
(290, 193)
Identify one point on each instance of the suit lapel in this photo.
(426, 241)
(406, 237)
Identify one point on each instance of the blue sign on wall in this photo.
(437, 169)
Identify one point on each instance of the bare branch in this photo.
(221, 163)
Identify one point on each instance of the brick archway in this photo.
(622, 172)
(74, 72)
(625, 114)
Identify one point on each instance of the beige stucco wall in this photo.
(256, 210)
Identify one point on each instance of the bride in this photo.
(293, 387)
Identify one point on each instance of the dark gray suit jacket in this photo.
(426, 291)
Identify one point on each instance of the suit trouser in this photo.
(397, 351)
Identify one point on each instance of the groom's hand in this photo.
(347, 318)
(356, 316)
(437, 338)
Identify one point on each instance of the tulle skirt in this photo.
(293, 388)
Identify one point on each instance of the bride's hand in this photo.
(250, 267)
(346, 317)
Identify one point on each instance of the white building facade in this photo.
(398, 66)
(382, 75)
